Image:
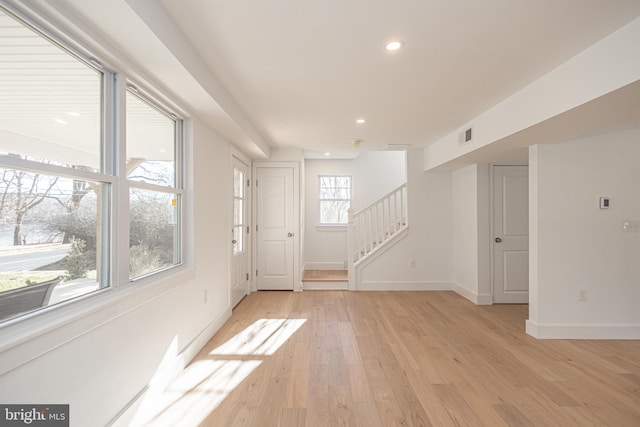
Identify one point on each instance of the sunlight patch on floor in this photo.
(193, 396)
(204, 384)
(262, 338)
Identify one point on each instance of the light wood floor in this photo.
(413, 359)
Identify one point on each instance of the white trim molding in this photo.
(583, 332)
(325, 286)
(477, 299)
(404, 286)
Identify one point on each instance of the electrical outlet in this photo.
(582, 295)
(631, 226)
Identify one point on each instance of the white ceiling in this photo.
(304, 71)
(298, 73)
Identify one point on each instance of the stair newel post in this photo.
(405, 206)
(352, 248)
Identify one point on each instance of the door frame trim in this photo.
(297, 277)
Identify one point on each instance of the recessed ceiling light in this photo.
(394, 45)
(360, 121)
(327, 154)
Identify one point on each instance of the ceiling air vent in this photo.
(397, 147)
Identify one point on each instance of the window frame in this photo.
(321, 223)
(114, 281)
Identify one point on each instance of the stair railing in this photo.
(371, 228)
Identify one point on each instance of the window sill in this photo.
(332, 227)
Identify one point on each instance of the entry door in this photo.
(511, 234)
(239, 237)
(276, 228)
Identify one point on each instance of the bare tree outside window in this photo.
(335, 194)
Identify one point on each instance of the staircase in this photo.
(375, 227)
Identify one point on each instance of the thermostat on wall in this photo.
(604, 203)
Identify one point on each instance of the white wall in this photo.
(465, 229)
(102, 356)
(374, 175)
(429, 239)
(575, 245)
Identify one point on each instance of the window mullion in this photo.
(120, 229)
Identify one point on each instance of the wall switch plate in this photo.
(631, 226)
(604, 203)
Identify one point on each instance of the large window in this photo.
(60, 176)
(334, 198)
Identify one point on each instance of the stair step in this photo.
(325, 276)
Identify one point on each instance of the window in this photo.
(238, 211)
(335, 196)
(58, 176)
(153, 138)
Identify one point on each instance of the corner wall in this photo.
(575, 246)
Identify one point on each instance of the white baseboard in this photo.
(583, 332)
(403, 286)
(478, 299)
(326, 286)
(338, 265)
(126, 417)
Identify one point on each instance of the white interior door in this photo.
(276, 228)
(511, 234)
(239, 237)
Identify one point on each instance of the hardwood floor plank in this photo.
(512, 415)
(298, 385)
(366, 414)
(292, 417)
(340, 406)
(318, 412)
(360, 390)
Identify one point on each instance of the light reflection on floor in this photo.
(262, 338)
(204, 384)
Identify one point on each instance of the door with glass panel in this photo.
(239, 240)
